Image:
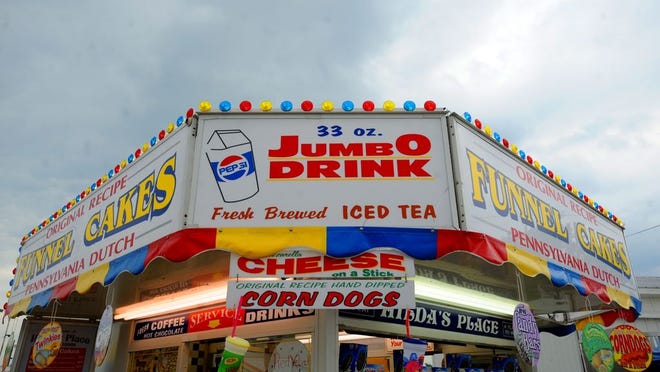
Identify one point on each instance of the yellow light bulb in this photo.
(327, 106)
(266, 106)
(205, 106)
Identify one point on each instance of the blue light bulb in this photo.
(409, 106)
(286, 106)
(224, 106)
(347, 106)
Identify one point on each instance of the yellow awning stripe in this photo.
(526, 262)
(261, 242)
(87, 279)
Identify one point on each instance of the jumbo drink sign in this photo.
(133, 208)
(322, 170)
(506, 199)
(375, 279)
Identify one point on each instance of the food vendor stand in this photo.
(303, 229)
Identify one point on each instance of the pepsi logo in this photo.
(233, 167)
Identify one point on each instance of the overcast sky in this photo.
(576, 84)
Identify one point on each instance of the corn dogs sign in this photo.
(371, 280)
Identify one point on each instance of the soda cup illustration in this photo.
(232, 162)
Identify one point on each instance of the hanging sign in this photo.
(103, 336)
(372, 280)
(632, 349)
(308, 263)
(526, 334)
(597, 347)
(321, 294)
(47, 345)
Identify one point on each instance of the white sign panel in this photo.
(506, 199)
(375, 264)
(137, 206)
(321, 294)
(322, 170)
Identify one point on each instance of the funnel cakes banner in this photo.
(136, 207)
(543, 226)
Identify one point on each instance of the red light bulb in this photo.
(429, 105)
(477, 123)
(162, 134)
(245, 106)
(306, 105)
(190, 112)
(368, 105)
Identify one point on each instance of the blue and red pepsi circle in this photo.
(234, 167)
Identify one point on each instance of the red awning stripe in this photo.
(481, 245)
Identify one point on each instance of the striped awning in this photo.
(256, 242)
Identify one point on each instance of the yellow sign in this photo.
(632, 349)
(47, 345)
